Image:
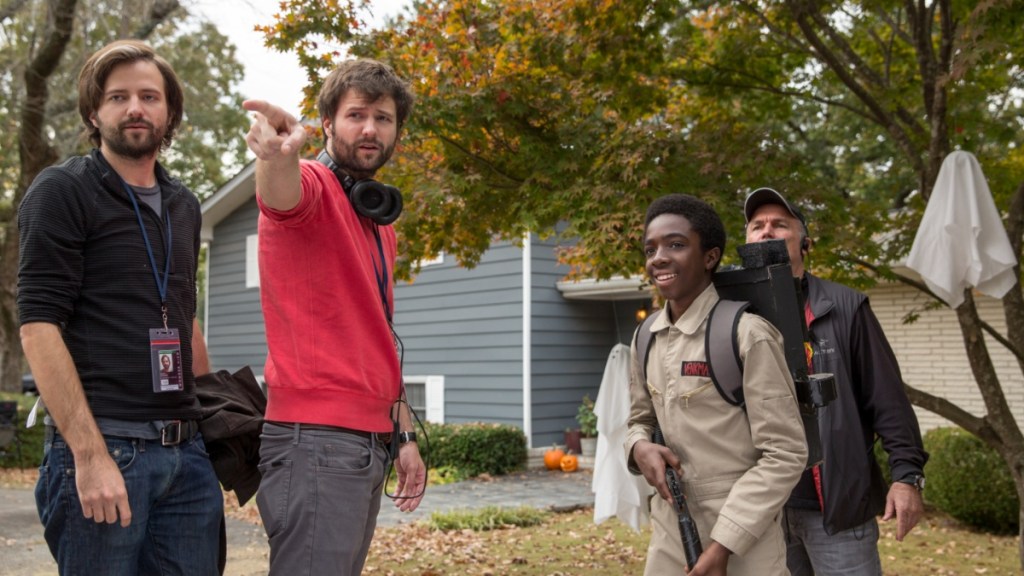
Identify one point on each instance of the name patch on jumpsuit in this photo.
(695, 369)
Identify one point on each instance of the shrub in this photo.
(968, 480)
(475, 448)
(883, 461)
(488, 518)
(587, 418)
(31, 438)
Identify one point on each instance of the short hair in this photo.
(372, 78)
(703, 218)
(93, 78)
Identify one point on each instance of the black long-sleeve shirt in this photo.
(84, 267)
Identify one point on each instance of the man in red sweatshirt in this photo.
(334, 380)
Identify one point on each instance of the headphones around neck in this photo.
(378, 202)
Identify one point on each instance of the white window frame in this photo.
(434, 396)
(434, 261)
(252, 261)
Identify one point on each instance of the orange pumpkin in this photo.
(569, 463)
(553, 458)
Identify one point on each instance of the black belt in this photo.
(172, 434)
(178, 431)
(382, 437)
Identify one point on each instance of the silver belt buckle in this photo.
(170, 435)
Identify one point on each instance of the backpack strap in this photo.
(720, 344)
(644, 337)
(722, 349)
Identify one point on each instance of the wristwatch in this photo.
(406, 437)
(915, 480)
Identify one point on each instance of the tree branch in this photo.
(1013, 349)
(34, 151)
(1013, 301)
(11, 8)
(894, 25)
(999, 413)
(762, 86)
(980, 427)
(158, 13)
(880, 116)
(479, 159)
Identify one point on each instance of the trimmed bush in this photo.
(31, 438)
(883, 460)
(970, 481)
(475, 448)
(488, 518)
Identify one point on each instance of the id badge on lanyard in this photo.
(164, 343)
(165, 358)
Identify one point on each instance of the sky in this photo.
(269, 75)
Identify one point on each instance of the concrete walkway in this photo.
(24, 552)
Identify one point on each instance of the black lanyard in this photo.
(381, 276)
(161, 283)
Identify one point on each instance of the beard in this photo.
(358, 163)
(136, 145)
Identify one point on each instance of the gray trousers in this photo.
(811, 551)
(319, 498)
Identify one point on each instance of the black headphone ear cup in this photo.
(805, 244)
(378, 202)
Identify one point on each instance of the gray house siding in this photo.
(462, 330)
(467, 326)
(570, 343)
(234, 331)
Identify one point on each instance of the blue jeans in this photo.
(176, 504)
(811, 551)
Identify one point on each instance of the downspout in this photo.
(527, 341)
(206, 299)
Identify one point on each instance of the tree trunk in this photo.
(35, 154)
(1017, 471)
(10, 352)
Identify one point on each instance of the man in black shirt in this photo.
(830, 522)
(106, 286)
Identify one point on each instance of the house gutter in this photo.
(206, 298)
(610, 290)
(527, 341)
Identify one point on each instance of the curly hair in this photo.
(703, 218)
(373, 79)
(92, 82)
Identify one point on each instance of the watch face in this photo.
(915, 480)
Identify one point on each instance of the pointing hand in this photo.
(274, 132)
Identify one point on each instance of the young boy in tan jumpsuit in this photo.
(737, 465)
